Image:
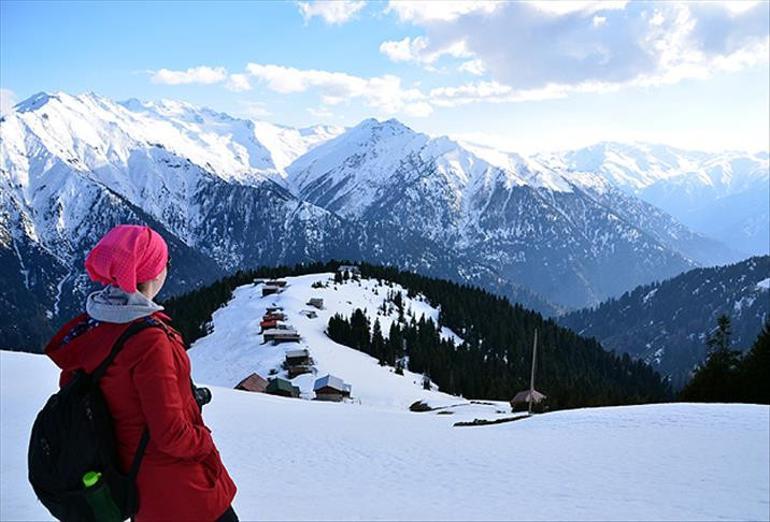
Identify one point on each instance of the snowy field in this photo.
(304, 460)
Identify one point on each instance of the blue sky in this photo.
(523, 76)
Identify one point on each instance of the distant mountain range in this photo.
(666, 323)
(230, 193)
(725, 195)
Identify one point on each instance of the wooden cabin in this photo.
(310, 314)
(277, 316)
(270, 290)
(521, 399)
(252, 383)
(268, 324)
(316, 302)
(351, 269)
(280, 283)
(298, 362)
(282, 387)
(281, 335)
(331, 388)
(273, 309)
(300, 356)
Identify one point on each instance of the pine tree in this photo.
(717, 380)
(378, 343)
(719, 341)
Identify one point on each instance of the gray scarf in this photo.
(114, 305)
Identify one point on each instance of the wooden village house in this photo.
(252, 383)
(331, 388)
(267, 324)
(270, 290)
(521, 399)
(298, 362)
(282, 387)
(351, 269)
(316, 302)
(278, 316)
(281, 334)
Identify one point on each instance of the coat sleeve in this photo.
(155, 378)
(65, 377)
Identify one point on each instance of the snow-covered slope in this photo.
(706, 191)
(234, 348)
(666, 323)
(659, 462)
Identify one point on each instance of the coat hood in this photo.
(114, 305)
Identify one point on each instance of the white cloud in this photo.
(415, 50)
(495, 92)
(331, 11)
(202, 74)
(533, 47)
(420, 11)
(563, 7)
(471, 90)
(384, 93)
(739, 6)
(238, 83)
(406, 50)
(7, 101)
(475, 67)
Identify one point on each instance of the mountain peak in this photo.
(35, 101)
(392, 125)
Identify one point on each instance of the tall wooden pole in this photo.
(532, 377)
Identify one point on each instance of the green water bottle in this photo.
(99, 498)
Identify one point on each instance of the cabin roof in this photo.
(523, 396)
(280, 331)
(299, 352)
(281, 384)
(333, 382)
(253, 382)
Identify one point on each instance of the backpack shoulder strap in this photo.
(133, 329)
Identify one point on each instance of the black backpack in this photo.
(72, 435)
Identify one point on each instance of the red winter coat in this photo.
(148, 384)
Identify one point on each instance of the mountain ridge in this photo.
(666, 323)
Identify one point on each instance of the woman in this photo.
(148, 384)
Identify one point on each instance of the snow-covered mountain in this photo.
(654, 462)
(571, 238)
(723, 195)
(230, 193)
(71, 167)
